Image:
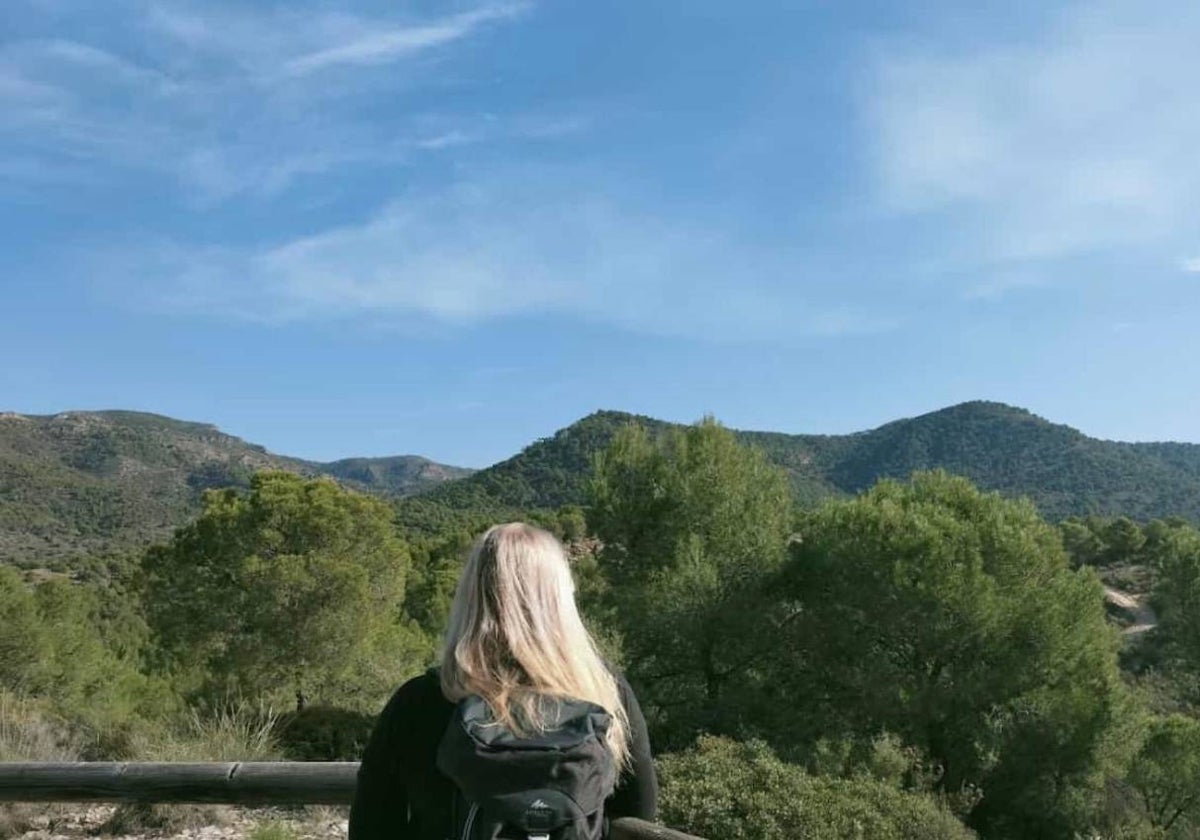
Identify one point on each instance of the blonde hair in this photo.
(515, 636)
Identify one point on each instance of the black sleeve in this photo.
(380, 807)
(636, 794)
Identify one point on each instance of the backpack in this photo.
(548, 786)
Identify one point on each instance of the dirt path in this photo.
(1143, 616)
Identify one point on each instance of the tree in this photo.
(1125, 540)
(1083, 545)
(291, 591)
(951, 618)
(84, 676)
(23, 641)
(1166, 773)
(1177, 593)
(691, 524)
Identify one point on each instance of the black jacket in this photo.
(401, 795)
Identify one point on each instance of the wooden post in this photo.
(235, 783)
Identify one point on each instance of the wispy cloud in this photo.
(1001, 283)
(272, 44)
(228, 101)
(1191, 266)
(447, 140)
(389, 45)
(475, 252)
(1080, 140)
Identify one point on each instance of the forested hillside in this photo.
(89, 484)
(919, 660)
(999, 447)
(86, 484)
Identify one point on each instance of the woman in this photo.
(515, 637)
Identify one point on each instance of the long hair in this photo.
(515, 636)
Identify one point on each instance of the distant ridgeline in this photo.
(997, 446)
(90, 484)
(93, 483)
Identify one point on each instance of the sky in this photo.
(452, 228)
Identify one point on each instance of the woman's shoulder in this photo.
(422, 692)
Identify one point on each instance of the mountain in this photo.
(89, 484)
(997, 446)
(84, 484)
(398, 475)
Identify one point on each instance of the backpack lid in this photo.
(487, 761)
(567, 723)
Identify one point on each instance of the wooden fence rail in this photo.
(235, 783)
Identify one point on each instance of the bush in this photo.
(741, 791)
(323, 733)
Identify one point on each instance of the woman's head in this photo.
(515, 633)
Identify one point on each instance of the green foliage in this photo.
(88, 680)
(78, 488)
(548, 474)
(1166, 775)
(23, 641)
(725, 790)
(293, 590)
(52, 647)
(82, 486)
(323, 733)
(1177, 595)
(1124, 539)
(691, 524)
(1017, 453)
(921, 651)
(951, 618)
(998, 447)
(1083, 544)
(437, 565)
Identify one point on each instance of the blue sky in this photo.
(452, 228)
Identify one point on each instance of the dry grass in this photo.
(235, 732)
(144, 818)
(272, 830)
(29, 733)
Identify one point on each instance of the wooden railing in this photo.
(238, 783)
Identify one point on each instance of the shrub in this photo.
(323, 733)
(742, 791)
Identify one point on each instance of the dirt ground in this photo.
(68, 822)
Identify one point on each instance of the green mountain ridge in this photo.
(84, 484)
(997, 446)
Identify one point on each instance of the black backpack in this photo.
(549, 786)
